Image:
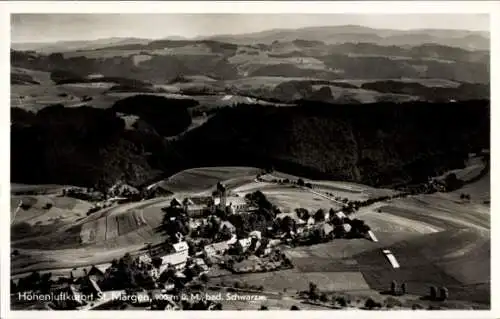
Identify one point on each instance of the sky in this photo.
(68, 27)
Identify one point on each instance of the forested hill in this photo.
(377, 144)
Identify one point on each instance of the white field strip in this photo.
(16, 211)
(372, 236)
(391, 258)
(227, 97)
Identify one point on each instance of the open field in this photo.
(426, 82)
(479, 192)
(16, 188)
(289, 199)
(442, 211)
(36, 97)
(380, 222)
(38, 76)
(340, 249)
(436, 238)
(62, 208)
(363, 95)
(296, 281)
(350, 190)
(200, 179)
(219, 93)
(267, 82)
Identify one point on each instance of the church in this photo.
(199, 206)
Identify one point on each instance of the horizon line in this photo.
(205, 37)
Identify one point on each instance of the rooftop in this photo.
(181, 246)
(232, 200)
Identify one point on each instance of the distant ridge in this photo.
(472, 40)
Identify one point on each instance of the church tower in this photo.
(221, 189)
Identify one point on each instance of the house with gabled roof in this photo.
(175, 203)
(181, 246)
(244, 243)
(177, 259)
(95, 274)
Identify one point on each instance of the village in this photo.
(223, 231)
(204, 235)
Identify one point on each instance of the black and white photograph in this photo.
(249, 161)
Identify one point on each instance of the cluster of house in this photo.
(179, 257)
(197, 206)
(85, 283)
(311, 223)
(220, 248)
(82, 290)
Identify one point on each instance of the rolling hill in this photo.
(354, 33)
(278, 66)
(330, 53)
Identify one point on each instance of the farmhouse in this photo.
(244, 243)
(121, 189)
(340, 215)
(266, 250)
(327, 228)
(175, 203)
(216, 248)
(95, 274)
(219, 248)
(311, 221)
(181, 246)
(144, 259)
(327, 215)
(178, 258)
(347, 227)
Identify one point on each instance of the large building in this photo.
(178, 258)
(197, 206)
(233, 203)
(219, 248)
(200, 205)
